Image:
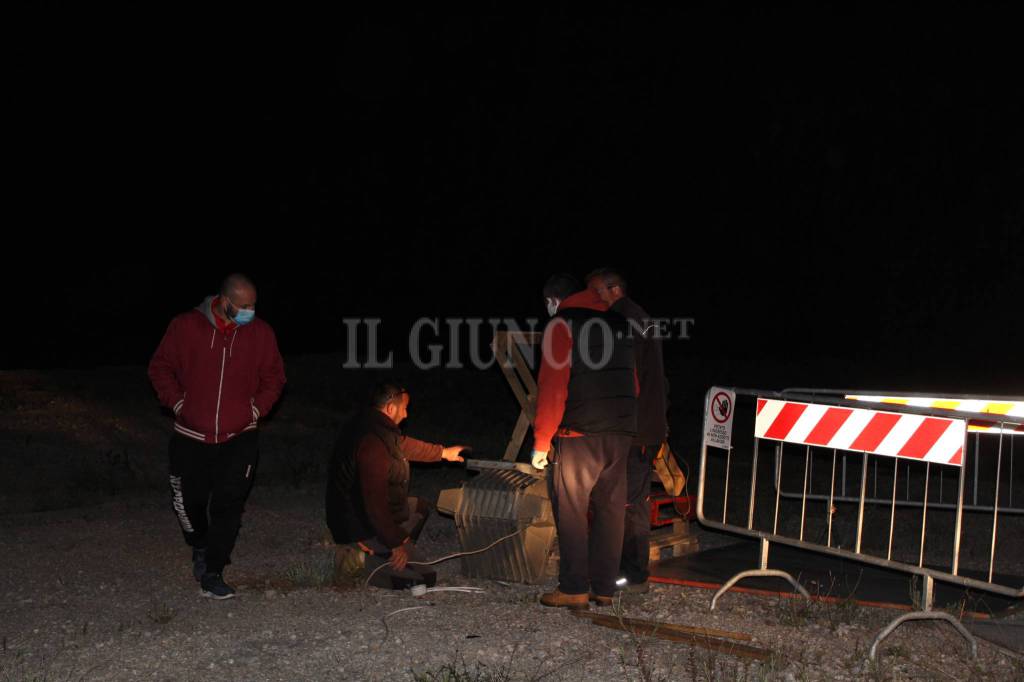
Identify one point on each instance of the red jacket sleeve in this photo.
(552, 383)
(419, 451)
(272, 379)
(164, 367)
(372, 462)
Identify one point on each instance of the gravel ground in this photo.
(106, 593)
(96, 584)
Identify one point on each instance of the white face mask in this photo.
(552, 305)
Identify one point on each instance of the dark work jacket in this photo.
(652, 404)
(368, 479)
(602, 393)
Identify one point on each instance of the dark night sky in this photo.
(837, 190)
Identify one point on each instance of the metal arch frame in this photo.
(925, 613)
(761, 572)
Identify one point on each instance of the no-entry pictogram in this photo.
(721, 407)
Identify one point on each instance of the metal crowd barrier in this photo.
(979, 459)
(816, 423)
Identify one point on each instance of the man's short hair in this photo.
(385, 392)
(561, 286)
(610, 276)
(235, 280)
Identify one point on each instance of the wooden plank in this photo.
(662, 543)
(677, 532)
(516, 387)
(679, 549)
(530, 338)
(518, 434)
(657, 630)
(677, 537)
(666, 539)
(525, 374)
(520, 379)
(671, 627)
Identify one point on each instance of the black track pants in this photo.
(209, 487)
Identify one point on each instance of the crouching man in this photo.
(368, 505)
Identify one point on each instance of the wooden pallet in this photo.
(672, 541)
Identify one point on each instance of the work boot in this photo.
(348, 564)
(561, 599)
(601, 600)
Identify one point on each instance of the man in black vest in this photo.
(368, 504)
(584, 424)
(651, 422)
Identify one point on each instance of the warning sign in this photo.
(718, 418)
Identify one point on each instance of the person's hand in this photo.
(540, 459)
(400, 556)
(451, 454)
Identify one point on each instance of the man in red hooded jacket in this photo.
(584, 424)
(219, 370)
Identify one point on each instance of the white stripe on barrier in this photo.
(766, 416)
(965, 405)
(950, 441)
(808, 420)
(899, 435)
(850, 429)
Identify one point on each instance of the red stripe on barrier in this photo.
(924, 437)
(760, 404)
(875, 432)
(828, 425)
(958, 457)
(783, 423)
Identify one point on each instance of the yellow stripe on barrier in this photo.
(995, 408)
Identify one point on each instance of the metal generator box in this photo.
(504, 499)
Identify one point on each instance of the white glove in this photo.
(540, 459)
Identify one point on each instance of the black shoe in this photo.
(628, 586)
(199, 563)
(637, 588)
(213, 586)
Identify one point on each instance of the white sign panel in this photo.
(718, 418)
